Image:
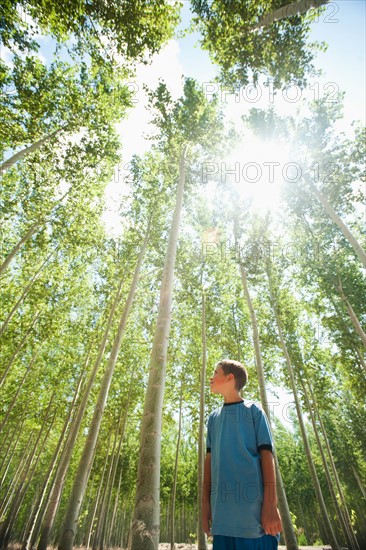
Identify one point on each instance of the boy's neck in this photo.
(232, 397)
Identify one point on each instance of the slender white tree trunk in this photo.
(62, 468)
(86, 460)
(337, 220)
(32, 531)
(23, 295)
(21, 344)
(333, 467)
(116, 502)
(146, 518)
(359, 482)
(175, 478)
(352, 314)
(33, 228)
(26, 151)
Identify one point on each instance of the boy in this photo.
(239, 504)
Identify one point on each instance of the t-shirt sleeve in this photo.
(208, 437)
(262, 430)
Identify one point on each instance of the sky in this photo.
(341, 26)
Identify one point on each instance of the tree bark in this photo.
(146, 517)
(337, 220)
(23, 295)
(97, 498)
(15, 354)
(26, 151)
(5, 532)
(13, 403)
(32, 229)
(344, 509)
(9, 456)
(298, 7)
(175, 478)
(361, 359)
(352, 314)
(85, 464)
(111, 527)
(359, 482)
(103, 518)
(346, 528)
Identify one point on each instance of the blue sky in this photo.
(342, 26)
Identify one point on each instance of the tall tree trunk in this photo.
(32, 229)
(23, 295)
(337, 220)
(58, 482)
(10, 453)
(105, 531)
(111, 527)
(326, 522)
(359, 482)
(5, 532)
(145, 523)
(361, 359)
(13, 403)
(346, 528)
(35, 524)
(333, 466)
(102, 503)
(26, 151)
(288, 530)
(201, 535)
(25, 454)
(19, 347)
(103, 517)
(298, 7)
(96, 505)
(175, 478)
(85, 464)
(351, 313)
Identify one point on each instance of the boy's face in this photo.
(218, 380)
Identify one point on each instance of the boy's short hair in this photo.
(240, 373)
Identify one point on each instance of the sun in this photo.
(257, 170)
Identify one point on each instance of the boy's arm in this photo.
(206, 495)
(270, 517)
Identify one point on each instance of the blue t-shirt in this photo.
(236, 433)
